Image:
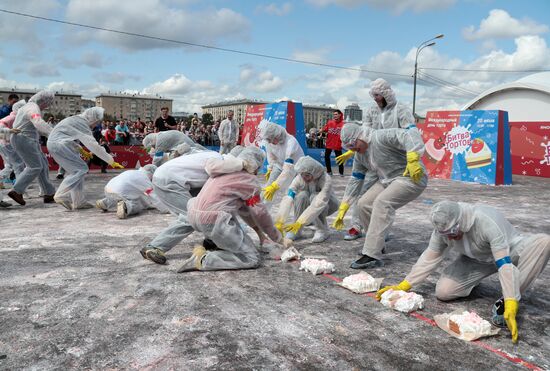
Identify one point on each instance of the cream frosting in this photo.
(316, 266)
(402, 301)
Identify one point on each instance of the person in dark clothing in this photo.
(165, 121)
(96, 160)
(6, 108)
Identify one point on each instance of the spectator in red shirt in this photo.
(333, 142)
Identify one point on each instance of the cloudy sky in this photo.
(367, 35)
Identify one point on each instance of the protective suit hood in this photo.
(253, 157)
(353, 130)
(150, 140)
(43, 98)
(308, 165)
(447, 214)
(93, 115)
(270, 132)
(383, 88)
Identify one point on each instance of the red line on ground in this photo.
(511, 358)
(422, 318)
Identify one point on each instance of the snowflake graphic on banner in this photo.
(546, 159)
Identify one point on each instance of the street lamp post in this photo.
(423, 45)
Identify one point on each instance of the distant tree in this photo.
(310, 125)
(59, 116)
(108, 117)
(207, 119)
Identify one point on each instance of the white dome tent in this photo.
(527, 99)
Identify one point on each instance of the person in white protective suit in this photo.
(283, 150)
(30, 124)
(486, 243)
(214, 213)
(228, 133)
(12, 161)
(394, 155)
(163, 146)
(131, 192)
(63, 147)
(313, 199)
(386, 113)
(174, 184)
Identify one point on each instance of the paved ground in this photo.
(75, 293)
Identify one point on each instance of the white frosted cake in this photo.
(290, 254)
(316, 266)
(361, 282)
(469, 322)
(402, 301)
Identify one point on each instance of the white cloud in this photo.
(115, 77)
(274, 9)
(267, 82)
(396, 6)
(437, 89)
(315, 56)
(38, 69)
(190, 95)
(18, 28)
(257, 81)
(162, 19)
(500, 25)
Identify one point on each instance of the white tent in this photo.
(527, 99)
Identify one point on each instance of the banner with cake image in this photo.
(469, 146)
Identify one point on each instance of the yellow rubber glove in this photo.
(511, 307)
(339, 221)
(267, 175)
(340, 160)
(403, 286)
(280, 226)
(116, 165)
(85, 154)
(294, 227)
(270, 190)
(414, 169)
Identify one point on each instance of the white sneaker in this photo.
(121, 211)
(320, 235)
(101, 205)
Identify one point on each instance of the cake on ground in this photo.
(361, 283)
(469, 322)
(402, 301)
(317, 266)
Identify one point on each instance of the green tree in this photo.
(207, 119)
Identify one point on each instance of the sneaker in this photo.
(293, 236)
(320, 235)
(4, 204)
(353, 234)
(498, 313)
(366, 262)
(121, 210)
(85, 205)
(17, 197)
(101, 206)
(153, 254)
(342, 175)
(48, 199)
(194, 263)
(65, 203)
